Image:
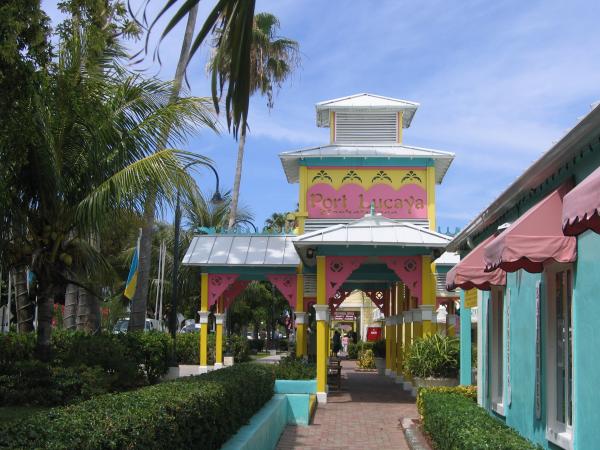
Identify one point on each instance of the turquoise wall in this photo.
(586, 341)
(465, 342)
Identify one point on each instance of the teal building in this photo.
(531, 262)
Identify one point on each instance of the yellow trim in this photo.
(388, 346)
(400, 120)
(203, 327)
(300, 292)
(427, 281)
(321, 286)
(300, 328)
(302, 212)
(417, 330)
(219, 344)
(431, 197)
(321, 356)
(331, 127)
(369, 176)
(407, 326)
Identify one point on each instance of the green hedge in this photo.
(455, 422)
(196, 412)
(290, 368)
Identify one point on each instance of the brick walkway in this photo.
(366, 414)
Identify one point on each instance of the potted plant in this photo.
(366, 361)
(379, 351)
(434, 361)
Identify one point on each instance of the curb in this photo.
(413, 435)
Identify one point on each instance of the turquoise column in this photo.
(465, 342)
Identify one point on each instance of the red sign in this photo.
(373, 333)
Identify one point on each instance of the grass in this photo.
(260, 355)
(11, 413)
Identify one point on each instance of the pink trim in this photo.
(233, 291)
(408, 269)
(286, 284)
(217, 284)
(581, 206)
(338, 269)
(533, 239)
(469, 272)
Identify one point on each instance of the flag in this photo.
(133, 273)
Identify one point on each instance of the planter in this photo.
(187, 370)
(435, 382)
(273, 352)
(380, 364)
(228, 361)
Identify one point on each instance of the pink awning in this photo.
(469, 272)
(581, 206)
(535, 238)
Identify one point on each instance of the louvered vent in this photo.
(310, 285)
(354, 127)
(440, 279)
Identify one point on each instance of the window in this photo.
(559, 348)
(496, 326)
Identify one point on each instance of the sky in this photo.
(498, 83)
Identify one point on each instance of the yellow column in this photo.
(428, 297)
(388, 344)
(300, 316)
(399, 330)
(408, 333)
(302, 209)
(431, 197)
(394, 338)
(321, 310)
(203, 322)
(219, 341)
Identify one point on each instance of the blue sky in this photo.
(498, 83)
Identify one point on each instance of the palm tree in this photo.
(272, 61)
(98, 130)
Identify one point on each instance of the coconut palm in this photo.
(272, 61)
(98, 130)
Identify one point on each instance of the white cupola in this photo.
(365, 118)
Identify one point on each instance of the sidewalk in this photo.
(366, 414)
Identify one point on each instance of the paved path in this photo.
(366, 414)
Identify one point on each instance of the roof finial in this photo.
(372, 207)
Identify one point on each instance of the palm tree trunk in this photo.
(44, 329)
(88, 311)
(24, 305)
(70, 315)
(238, 177)
(140, 299)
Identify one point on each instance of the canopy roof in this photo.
(242, 250)
(374, 231)
(291, 160)
(581, 206)
(469, 273)
(365, 102)
(533, 239)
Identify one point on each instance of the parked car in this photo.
(151, 325)
(190, 328)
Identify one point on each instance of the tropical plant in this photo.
(97, 130)
(433, 356)
(366, 359)
(272, 61)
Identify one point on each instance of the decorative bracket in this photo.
(379, 298)
(233, 291)
(217, 284)
(337, 299)
(286, 284)
(338, 270)
(408, 269)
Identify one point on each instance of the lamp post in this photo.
(215, 200)
(247, 222)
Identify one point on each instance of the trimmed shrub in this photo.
(290, 368)
(355, 349)
(195, 412)
(237, 346)
(433, 356)
(455, 422)
(469, 392)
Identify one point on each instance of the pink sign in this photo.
(352, 201)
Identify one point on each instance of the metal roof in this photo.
(374, 230)
(291, 160)
(241, 250)
(365, 102)
(448, 259)
(570, 146)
